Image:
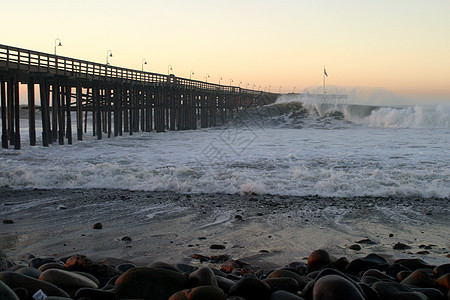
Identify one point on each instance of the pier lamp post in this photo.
(169, 68)
(190, 74)
(220, 78)
(269, 88)
(231, 81)
(240, 82)
(246, 86)
(108, 55)
(144, 62)
(254, 86)
(59, 44)
(206, 78)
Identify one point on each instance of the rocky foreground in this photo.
(220, 277)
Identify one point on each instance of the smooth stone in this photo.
(440, 270)
(52, 265)
(419, 278)
(66, 280)
(302, 281)
(230, 265)
(29, 271)
(370, 279)
(90, 276)
(444, 281)
(376, 273)
(339, 264)
(217, 247)
(16, 267)
(187, 268)
(402, 275)
(200, 293)
(149, 283)
(250, 288)
(355, 247)
(6, 293)
(300, 267)
(224, 283)
(32, 285)
(202, 276)
(432, 294)
(283, 295)
(163, 265)
(97, 226)
(318, 259)
(332, 287)
(395, 291)
(22, 293)
(125, 267)
(414, 264)
(78, 263)
(401, 246)
(394, 269)
(89, 293)
(283, 284)
(36, 262)
(371, 261)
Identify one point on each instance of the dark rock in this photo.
(32, 285)
(302, 281)
(8, 221)
(217, 247)
(163, 265)
(366, 242)
(401, 246)
(219, 258)
(6, 293)
(394, 269)
(402, 275)
(126, 239)
(300, 267)
(68, 281)
(36, 262)
(149, 283)
(339, 264)
(224, 283)
(230, 265)
(441, 270)
(250, 288)
(29, 271)
(419, 278)
(284, 284)
(376, 273)
(52, 265)
(283, 295)
(318, 259)
(202, 276)
(332, 287)
(125, 267)
(444, 281)
(22, 293)
(432, 294)
(414, 264)
(395, 291)
(97, 226)
(199, 293)
(355, 247)
(371, 261)
(423, 252)
(89, 293)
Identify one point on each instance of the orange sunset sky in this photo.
(402, 46)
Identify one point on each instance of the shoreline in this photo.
(266, 230)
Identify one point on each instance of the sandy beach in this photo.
(265, 230)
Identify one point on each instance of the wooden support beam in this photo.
(45, 118)
(17, 114)
(4, 109)
(68, 114)
(31, 113)
(10, 106)
(79, 112)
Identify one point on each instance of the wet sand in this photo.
(265, 230)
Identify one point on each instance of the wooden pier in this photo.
(118, 100)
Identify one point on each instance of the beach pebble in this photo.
(125, 267)
(202, 276)
(402, 275)
(224, 283)
(339, 264)
(355, 247)
(283, 295)
(419, 278)
(300, 267)
(97, 226)
(284, 284)
(401, 246)
(318, 259)
(250, 288)
(332, 287)
(230, 265)
(90, 293)
(371, 261)
(217, 247)
(7, 221)
(37, 262)
(302, 281)
(395, 291)
(66, 280)
(200, 293)
(440, 270)
(6, 293)
(32, 285)
(149, 283)
(163, 265)
(51, 265)
(380, 275)
(413, 264)
(29, 271)
(444, 281)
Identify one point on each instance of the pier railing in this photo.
(13, 58)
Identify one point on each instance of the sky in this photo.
(401, 46)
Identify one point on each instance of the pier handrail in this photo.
(34, 61)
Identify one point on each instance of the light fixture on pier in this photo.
(169, 68)
(59, 44)
(231, 81)
(108, 55)
(220, 78)
(240, 82)
(206, 78)
(190, 74)
(144, 62)
(246, 86)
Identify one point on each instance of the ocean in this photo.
(295, 147)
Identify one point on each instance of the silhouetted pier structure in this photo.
(119, 100)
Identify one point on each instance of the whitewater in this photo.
(296, 146)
